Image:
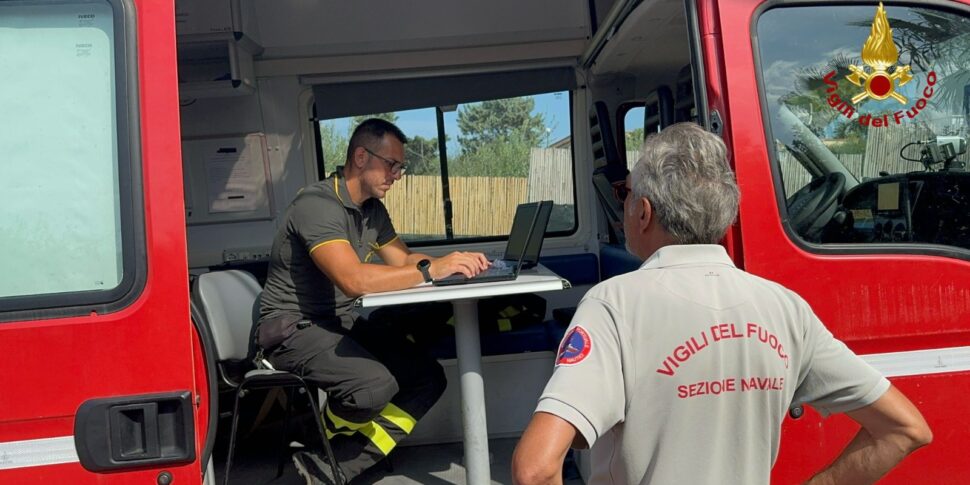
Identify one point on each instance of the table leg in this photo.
(475, 430)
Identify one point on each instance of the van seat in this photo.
(580, 269)
(616, 260)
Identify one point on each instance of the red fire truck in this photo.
(149, 142)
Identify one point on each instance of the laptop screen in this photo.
(525, 216)
(532, 250)
(528, 232)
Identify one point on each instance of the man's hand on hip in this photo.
(892, 428)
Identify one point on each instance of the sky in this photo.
(421, 122)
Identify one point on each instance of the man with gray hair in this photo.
(683, 370)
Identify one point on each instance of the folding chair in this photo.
(229, 301)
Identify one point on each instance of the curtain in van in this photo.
(338, 100)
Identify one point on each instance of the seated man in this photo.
(378, 383)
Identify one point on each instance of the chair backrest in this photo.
(227, 299)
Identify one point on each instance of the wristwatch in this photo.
(424, 266)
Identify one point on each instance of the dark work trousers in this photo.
(377, 381)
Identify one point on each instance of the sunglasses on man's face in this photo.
(621, 191)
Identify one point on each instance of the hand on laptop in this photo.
(466, 263)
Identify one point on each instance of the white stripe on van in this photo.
(45, 451)
(920, 362)
(53, 451)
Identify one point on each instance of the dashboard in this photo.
(919, 207)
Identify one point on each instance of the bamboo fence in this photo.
(481, 206)
(551, 175)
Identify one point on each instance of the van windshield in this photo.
(868, 111)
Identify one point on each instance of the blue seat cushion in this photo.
(616, 260)
(579, 269)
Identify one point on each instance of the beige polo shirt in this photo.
(682, 371)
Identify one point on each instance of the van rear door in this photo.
(844, 199)
(99, 357)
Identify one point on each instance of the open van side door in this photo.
(831, 206)
(102, 375)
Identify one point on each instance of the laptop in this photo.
(525, 243)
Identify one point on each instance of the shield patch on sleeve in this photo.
(575, 347)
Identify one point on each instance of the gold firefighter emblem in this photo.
(879, 53)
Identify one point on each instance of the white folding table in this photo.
(464, 299)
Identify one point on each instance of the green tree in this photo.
(333, 144)
(422, 156)
(634, 139)
(496, 136)
(508, 157)
(851, 137)
(499, 120)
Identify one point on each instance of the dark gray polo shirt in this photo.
(321, 214)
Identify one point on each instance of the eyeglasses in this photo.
(621, 191)
(397, 168)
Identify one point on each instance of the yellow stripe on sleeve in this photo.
(399, 417)
(314, 248)
(382, 246)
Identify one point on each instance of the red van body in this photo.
(911, 310)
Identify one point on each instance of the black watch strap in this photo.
(424, 266)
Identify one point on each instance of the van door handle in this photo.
(135, 431)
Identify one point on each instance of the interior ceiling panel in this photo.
(298, 28)
(651, 40)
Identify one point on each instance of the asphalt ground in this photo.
(258, 450)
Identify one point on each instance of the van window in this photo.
(633, 134)
(868, 112)
(497, 154)
(64, 200)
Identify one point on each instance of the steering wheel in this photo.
(812, 206)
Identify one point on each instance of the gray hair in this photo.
(684, 173)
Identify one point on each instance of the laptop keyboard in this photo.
(494, 271)
(497, 267)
